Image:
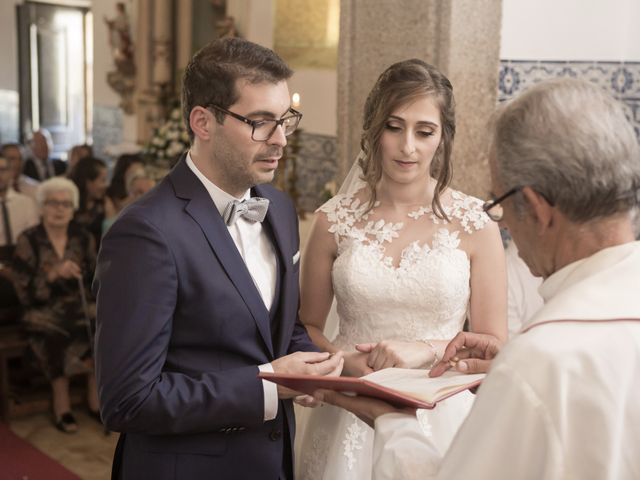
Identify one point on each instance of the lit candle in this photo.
(295, 100)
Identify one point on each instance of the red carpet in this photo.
(19, 460)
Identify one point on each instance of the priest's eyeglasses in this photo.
(262, 130)
(493, 208)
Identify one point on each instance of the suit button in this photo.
(275, 435)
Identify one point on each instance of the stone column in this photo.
(183, 34)
(460, 37)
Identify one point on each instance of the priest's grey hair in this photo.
(572, 143)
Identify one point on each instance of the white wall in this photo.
(9, 42)
(571, 30)
(318, 91)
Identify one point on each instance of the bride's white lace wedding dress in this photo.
(421, 294)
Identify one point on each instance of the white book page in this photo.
(417, 383)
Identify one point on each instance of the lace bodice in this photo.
(424, 293)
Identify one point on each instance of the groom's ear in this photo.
(202, 123)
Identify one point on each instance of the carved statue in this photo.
(122, 80)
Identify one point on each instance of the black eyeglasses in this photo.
(262, 130)
(493, 208)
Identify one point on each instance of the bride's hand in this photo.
(392, 353)
(355, 365)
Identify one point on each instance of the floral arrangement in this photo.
(168, 142)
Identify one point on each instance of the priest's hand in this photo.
(365, 408)
(468, 353)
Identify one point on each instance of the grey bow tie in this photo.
(253, 209)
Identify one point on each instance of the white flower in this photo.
(173, 134)
(175, 148)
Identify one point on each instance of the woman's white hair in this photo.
(572, 143)
(57, 184)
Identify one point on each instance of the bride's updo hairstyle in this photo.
(400, 84)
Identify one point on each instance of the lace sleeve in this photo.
(468, 210)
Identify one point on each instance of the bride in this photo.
(407, 258)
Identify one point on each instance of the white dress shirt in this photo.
(23, 214)
(562, 399)
(259, 256)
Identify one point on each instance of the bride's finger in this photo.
(372, 358)
(365, 347)
(338, 370)
(382, 361)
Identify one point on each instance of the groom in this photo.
(197, 288)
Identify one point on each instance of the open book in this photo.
(401, 387)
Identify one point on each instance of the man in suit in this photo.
(196, 295)
(18, 212)
(39, 166)
(21, 183)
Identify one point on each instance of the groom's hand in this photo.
(307, 363)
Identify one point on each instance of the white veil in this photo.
(353, 181)
(351, 184)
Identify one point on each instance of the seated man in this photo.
(38, 165)
(561, 400)
(21, 182)
(17, 213)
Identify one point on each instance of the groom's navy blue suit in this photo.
(181, 330)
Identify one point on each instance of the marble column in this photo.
(460, 37)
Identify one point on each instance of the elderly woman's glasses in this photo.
(262, 130)
(493, 208)
(58, 204)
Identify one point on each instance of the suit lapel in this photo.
(201, 208)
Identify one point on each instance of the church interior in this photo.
(107, 75)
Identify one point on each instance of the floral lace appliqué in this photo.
(354, 440)
(466, 209)
(423, 421)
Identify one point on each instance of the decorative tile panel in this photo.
(620, 79)
(9, 116)
(315, 166)
(107, 129)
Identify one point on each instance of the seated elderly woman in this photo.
(54, 263)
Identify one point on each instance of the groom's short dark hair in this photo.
(211, 76)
